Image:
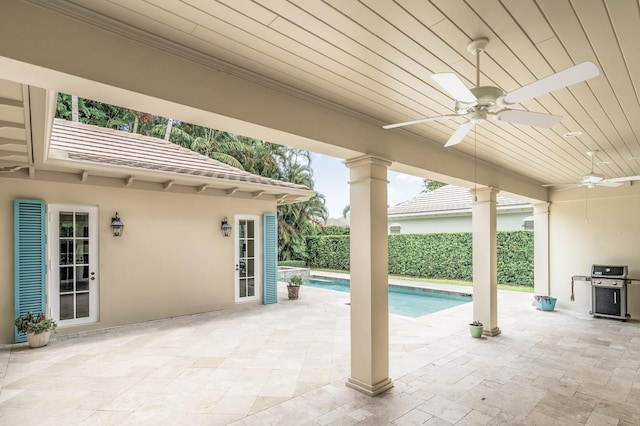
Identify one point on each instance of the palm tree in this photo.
(167, 132)
(221, 146)
(176, 134)
(74, 108)
(346, 210)
(299, 220)
(140, 117)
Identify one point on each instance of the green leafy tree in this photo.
(429, 185)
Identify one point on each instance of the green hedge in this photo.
(331, 251)
(293, 263)
(336, 230)
(515, 257)
(440, 255)
(431, 255)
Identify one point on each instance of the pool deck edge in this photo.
(449, 288)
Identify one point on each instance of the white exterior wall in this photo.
(601, 230)
(171, 260)
(506, 222)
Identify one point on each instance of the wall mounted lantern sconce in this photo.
(225, 227)
(117, 227)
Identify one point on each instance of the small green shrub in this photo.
(29, 323)
(296, 280)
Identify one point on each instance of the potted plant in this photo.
(545, 303)
(37, 328)
(476, 328)
(293, 286)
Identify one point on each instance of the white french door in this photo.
(247, 260)
(73, 279)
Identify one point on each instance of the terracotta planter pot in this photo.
(38, 340)
(293, 291)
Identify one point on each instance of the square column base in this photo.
(369, 390)
(491, 333)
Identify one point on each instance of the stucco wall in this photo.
(172, 259)
(505, 222)
(604, 229)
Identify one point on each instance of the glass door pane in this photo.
(246, 259)
(74, 265)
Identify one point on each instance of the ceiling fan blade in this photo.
(570, 187)
(455, 87)
(422, 120)
(573, 75)
(459, 134)
(609, 184)
(528, 118)
(562, 186)
(622, 179)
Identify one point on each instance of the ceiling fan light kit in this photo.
(480, 102)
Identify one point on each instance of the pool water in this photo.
(405, 301)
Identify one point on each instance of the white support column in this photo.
(369, 276)
(541, 249)
(485, 275)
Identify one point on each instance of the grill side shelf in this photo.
(578, 278)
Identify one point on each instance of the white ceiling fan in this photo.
(593, 179)
(480, 102)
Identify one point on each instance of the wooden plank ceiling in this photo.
(376, 57)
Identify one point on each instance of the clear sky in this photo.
(331, 178)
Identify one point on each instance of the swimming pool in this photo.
(406, 301)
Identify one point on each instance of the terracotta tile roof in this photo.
(448, 198)
(98, 145)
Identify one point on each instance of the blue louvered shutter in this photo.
(29, 259)
(270, 258)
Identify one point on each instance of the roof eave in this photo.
(130, 175)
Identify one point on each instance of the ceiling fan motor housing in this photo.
(593, 178)
(488, 99)
(488, 96)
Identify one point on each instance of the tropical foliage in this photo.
(295, 221)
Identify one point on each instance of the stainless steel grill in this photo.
(609, 291)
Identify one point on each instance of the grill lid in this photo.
(609, 271)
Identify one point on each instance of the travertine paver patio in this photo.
(286, 364)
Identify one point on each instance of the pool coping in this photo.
(444, 288)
